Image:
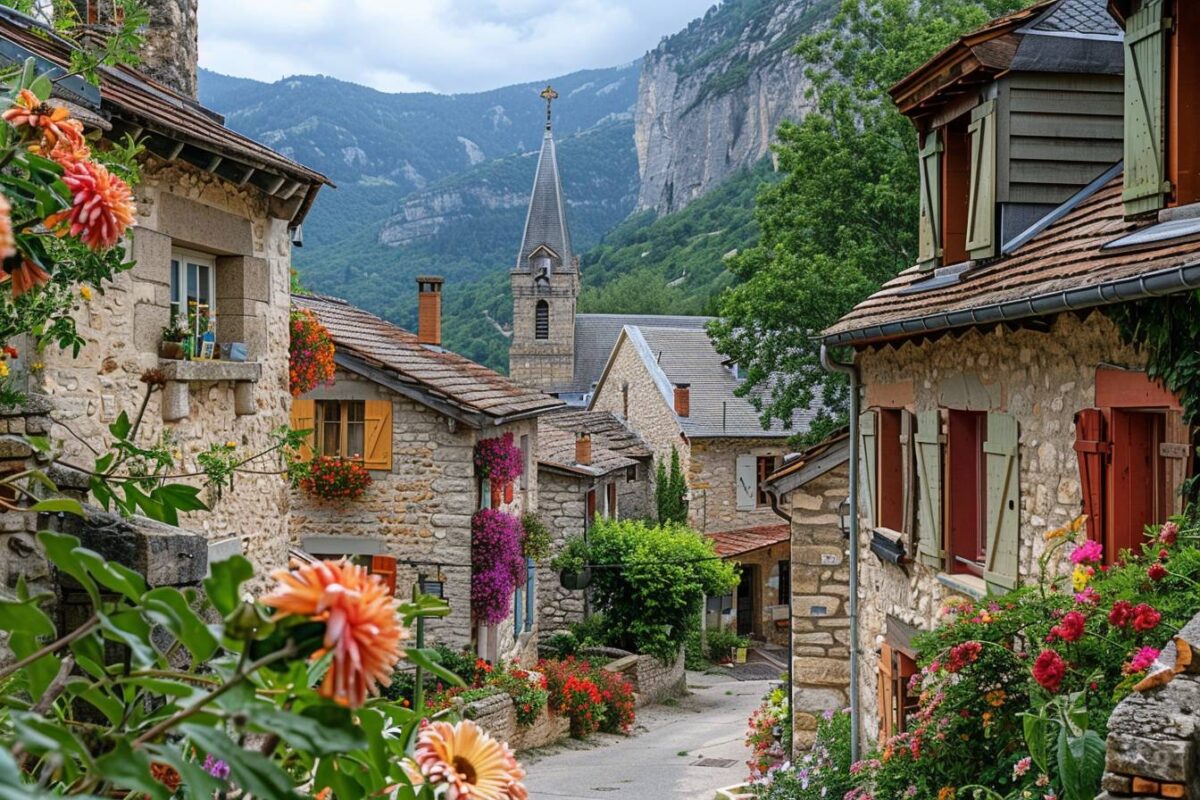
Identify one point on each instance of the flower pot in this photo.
(573, 580)
(170, 350)
(508, 492)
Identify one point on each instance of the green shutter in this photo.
(908, 483)
(1145, 116)
(929, 488)
(868, 477)
(1003, 502)
(981, 211)
(930, 233)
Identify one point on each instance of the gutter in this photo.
(1123, 290)
(855, 713)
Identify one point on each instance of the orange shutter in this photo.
(378, 435)
(385, 568)
(304, 418)
(1092, 448)
(886, 728)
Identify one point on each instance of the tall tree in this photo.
(844, 219)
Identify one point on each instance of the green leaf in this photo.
(60, 549)
(168, 607)
(112, 575)
(180, 497)
(58, 505)
(25, 617)
(42, 87)
(130, 769)
(333, 775)
(121, 426)
(1080, 764)
(112, 709)
(39, 444)
(40, 735)
(321, 729)
(252, 772)
(1035, 740)
(198, 782)
(224, 583)
(427, 659)
(132, 631)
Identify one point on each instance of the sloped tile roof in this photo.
(1063, 258)
(613, 445)
(444, 376)
(746, 540)
(595, 335)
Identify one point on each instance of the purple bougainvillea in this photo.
(498, 459)
(497, 563)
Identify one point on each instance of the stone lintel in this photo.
(163, 554)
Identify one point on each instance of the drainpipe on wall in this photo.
(852, 371)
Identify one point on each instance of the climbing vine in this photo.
(1167, 329)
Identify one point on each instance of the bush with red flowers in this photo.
(595, 699)
(336, 480)
(310, 353)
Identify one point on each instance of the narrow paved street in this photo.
(662, 758)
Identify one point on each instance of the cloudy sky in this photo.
(432, 45)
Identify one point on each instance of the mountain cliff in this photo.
(711, 96)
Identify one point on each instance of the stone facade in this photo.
(170, 48)
(820, 613)
(770, 616)
(712, 478)
(183, 207)
(498, 716)
(420, 511)
(1041, 379)
(652, 680)
(646, 413)
(545, 363)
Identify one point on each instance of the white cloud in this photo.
(438, 45)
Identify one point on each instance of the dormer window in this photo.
(1162, 104)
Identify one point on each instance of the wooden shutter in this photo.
(908, 479)
(928, 440)
(591, 508)
(612, 500)
(1003, 502)
(1145, 118)
(1092, 449)
(981, 209)
(747, 483)
(377, 446)
(885, 692)
(1176, 450)
(304, 418)
(385, 568)
(868, 468)
(930, 231)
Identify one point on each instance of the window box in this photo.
(176, 396)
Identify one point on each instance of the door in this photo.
(745, 600)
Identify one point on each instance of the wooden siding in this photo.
(1056, 133)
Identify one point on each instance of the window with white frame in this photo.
(193, 287)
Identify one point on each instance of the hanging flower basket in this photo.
(575, 579)
(335, 479)
(310, 353)
(499, 460)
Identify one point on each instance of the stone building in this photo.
(810, 491)
(589, 465)
(413, 413)
(1000, 398)
(217, 215)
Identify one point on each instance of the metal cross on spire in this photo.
(549, 95)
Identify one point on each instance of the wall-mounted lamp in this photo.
(844, 517)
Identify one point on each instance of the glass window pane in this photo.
(203, 284)
(355, 433)
(175, 281)
(191, 281)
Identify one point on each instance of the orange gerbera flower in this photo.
(362, 628)
(8, 244)
(468, 762)
(102, 206)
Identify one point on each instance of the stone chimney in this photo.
(683, 399)
(170, 50)
(583, 449)
(429, 310)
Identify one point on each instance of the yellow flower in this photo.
(3, 369)
(85, 292)
(1081, 577)
(231, 444)
(1076, 525)
(1057, 533)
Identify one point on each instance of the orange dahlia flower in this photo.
(53, 122)
(362, 627)
(101, 209)
(25, 277)
(468, 762)
(8, 244)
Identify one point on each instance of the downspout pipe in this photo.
(851, 370)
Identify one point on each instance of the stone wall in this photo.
(652, 680)
(420, 511)
(498, 716)
(544, 363)
(180, 206)
(1154, 738)
(1040, 378)
(563, 510)
(712, 478)
(820, 603)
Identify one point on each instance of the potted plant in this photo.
(172, 344)
(572, 564)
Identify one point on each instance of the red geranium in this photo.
(1156, 572)
(1049, 670)
(310, 353)
(1121, 613)
(335, 479)
(1070, 629)
(1145, 618)
(963, 654)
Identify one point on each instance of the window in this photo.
(193, 288)
(541, 320)
(341, 428)
(631, 473)
(780, 581)
(764, 466)
(896, 703)
(967, 478)
(893, 491)
(956, 190)
(718, 612)
(611, 508)
(525, 601)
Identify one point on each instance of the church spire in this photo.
(546, 221)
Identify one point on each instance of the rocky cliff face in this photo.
(711, 97)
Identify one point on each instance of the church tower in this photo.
(545, 282)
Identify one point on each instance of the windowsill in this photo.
(970, 585)
(195, 371)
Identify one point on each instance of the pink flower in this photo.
(1156, 572)
(1022, 766)
(1088, 597)
(1141, 661)
(1088, 552)
(1168, 533)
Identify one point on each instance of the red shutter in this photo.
(1092, 448)
(591, 507)
(385, 568)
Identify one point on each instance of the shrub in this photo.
(592, 698)
(310, 353)
(652, 598)
(694, 654)
(617, 696)
(561, 645)
(497, 565)
(823, 773)
(721, 643)
(529, 697)
(670, 492)
(593, 631)
(337, 480)
(537, 542)
(764, 736)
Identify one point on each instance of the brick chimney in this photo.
(583, 449)
(429, 310)
(170, 50)
(683, 399)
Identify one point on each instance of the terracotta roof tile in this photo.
(614, 446)
(441, 374)
(745, 540)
